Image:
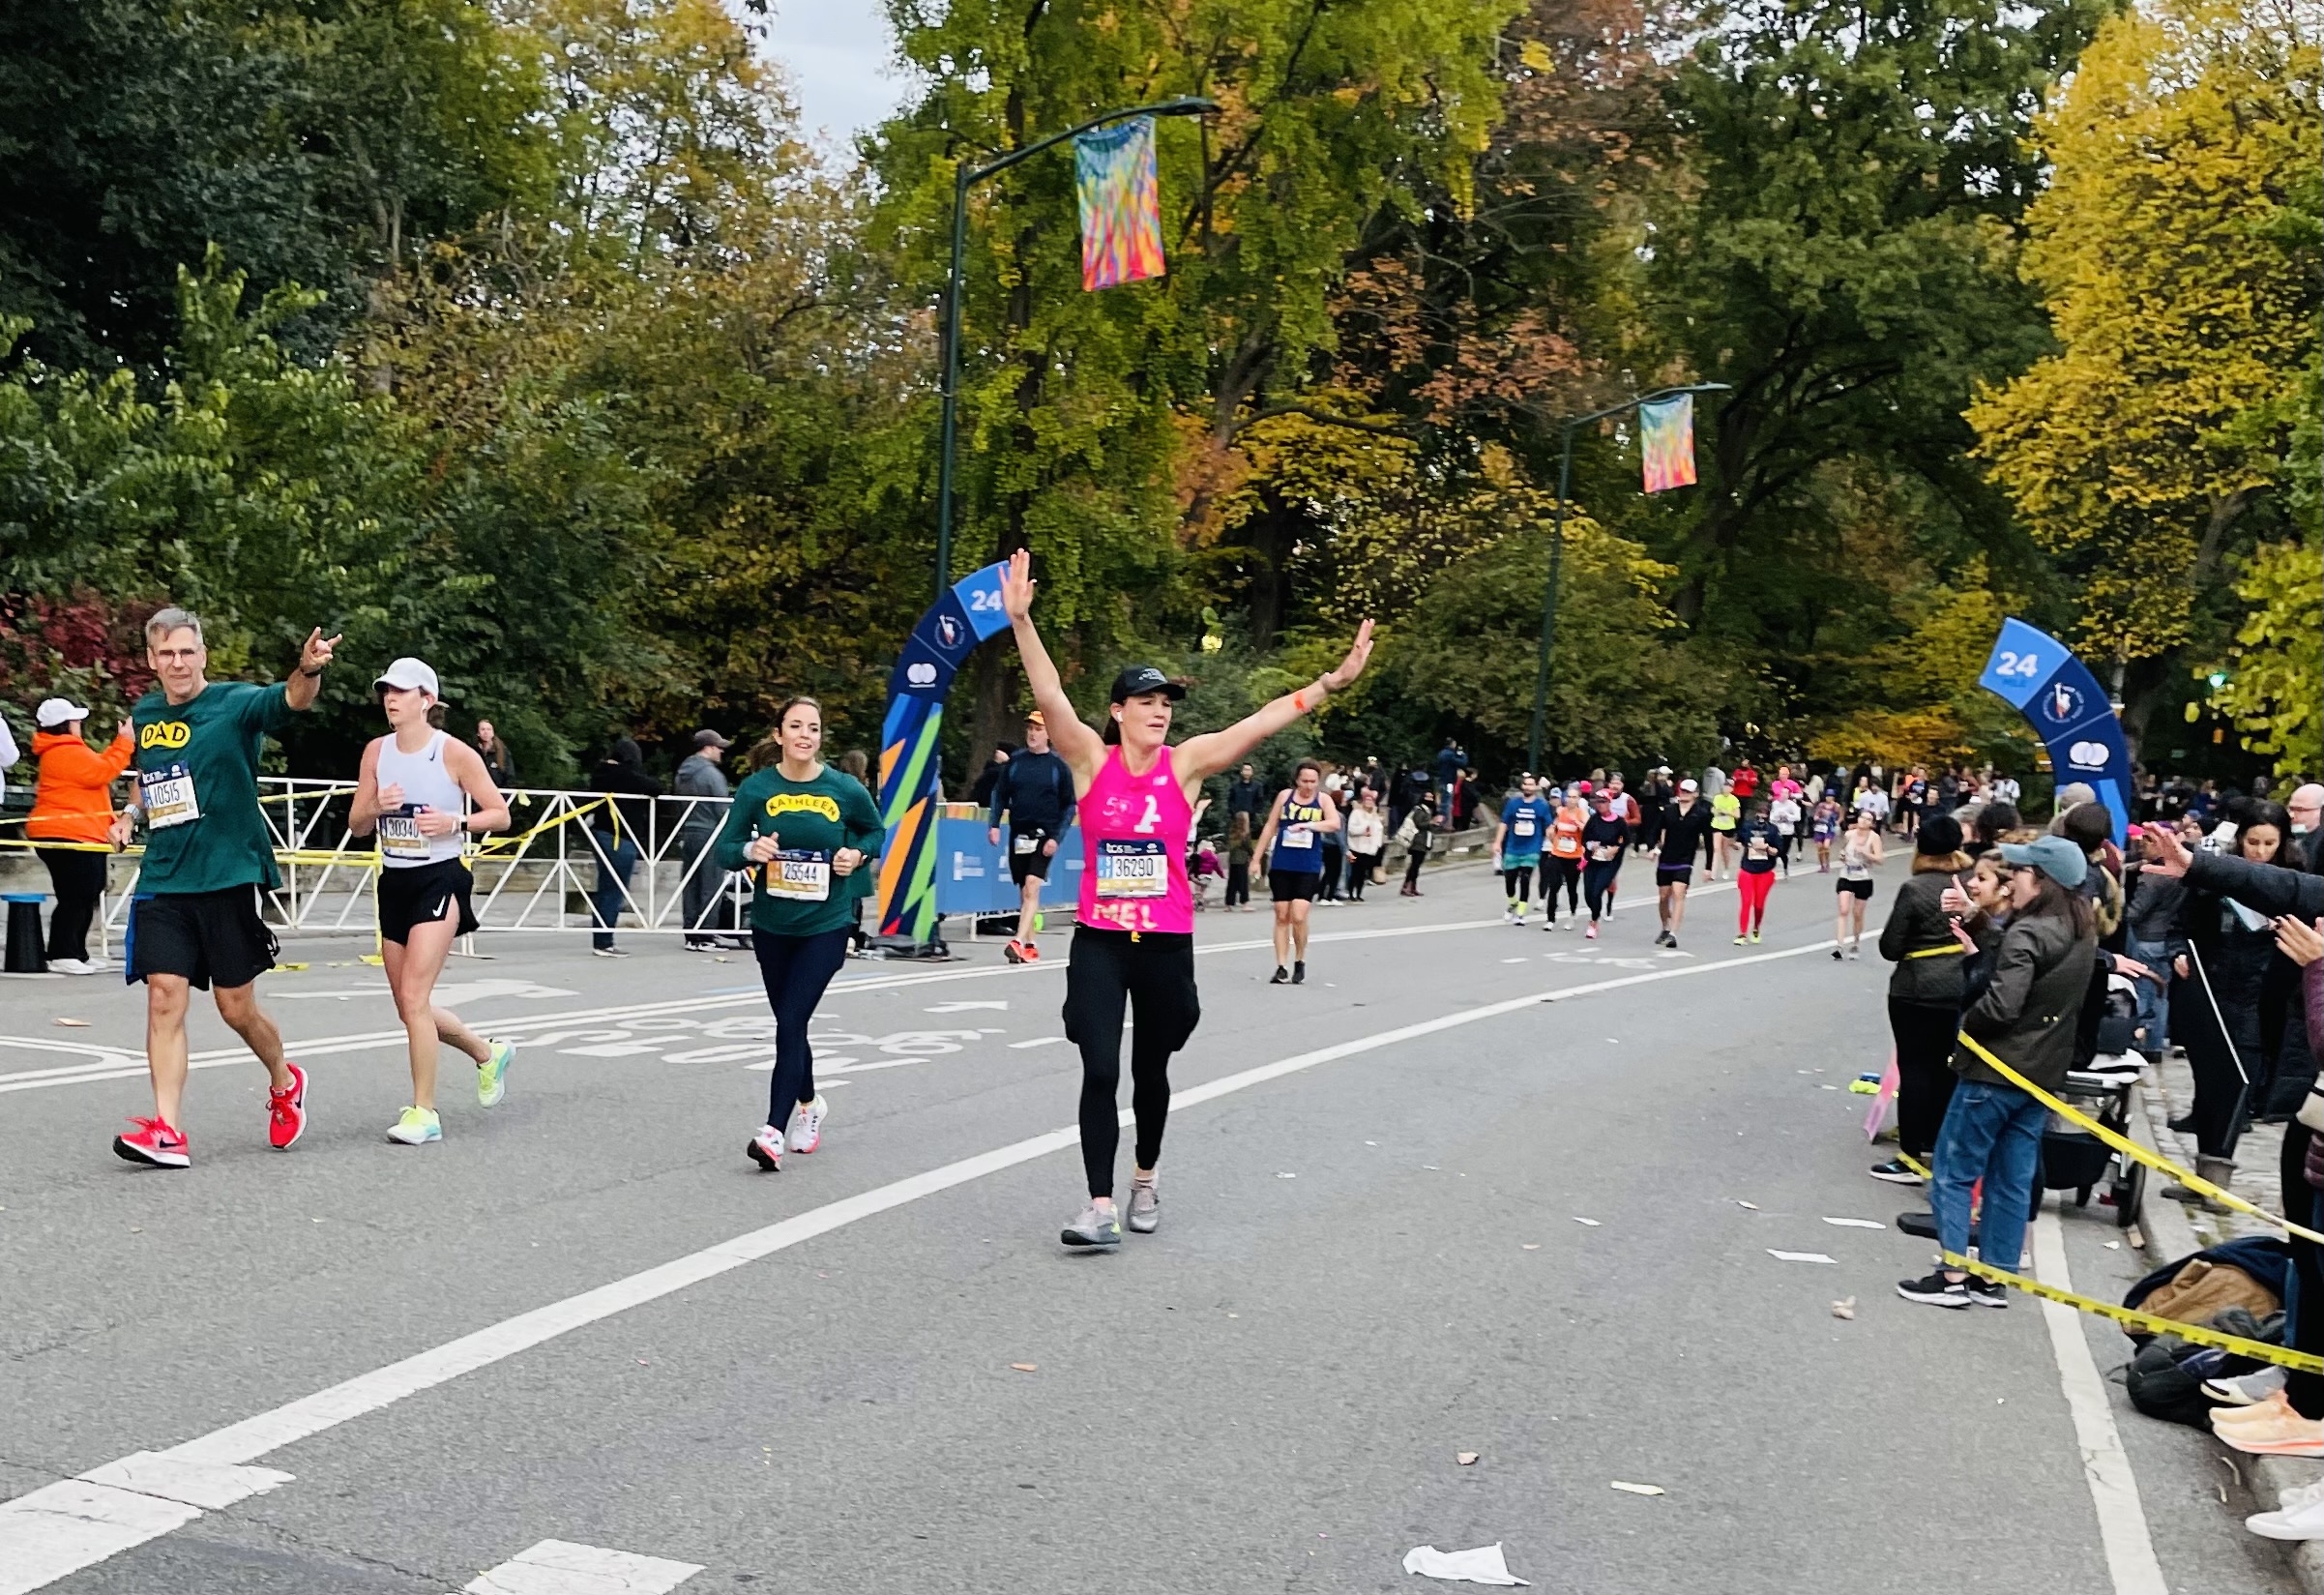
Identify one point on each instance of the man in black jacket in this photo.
(1247, 794)
(1035, 788)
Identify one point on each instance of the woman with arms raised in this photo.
(1134, 942)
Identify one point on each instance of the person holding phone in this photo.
(1924, 941)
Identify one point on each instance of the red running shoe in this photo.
(1030, 953)
(1013, 951)
(286, 1111)
(153, 1142)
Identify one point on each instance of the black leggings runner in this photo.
(1152, 975)
(1517, 883)
(1566, 872)
(796, 969)
(1598, 885)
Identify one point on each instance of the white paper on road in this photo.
(1856, 1224)
(558, 1567)
(1800, 1256)
(1483, 1565)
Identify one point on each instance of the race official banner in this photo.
(2062, 700)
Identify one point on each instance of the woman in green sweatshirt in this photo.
(807, 834)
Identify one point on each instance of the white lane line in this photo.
(1037, 1040)
(124, 1065)
(77, 1522)
(2122, 1527)
(559, 1567)
(26, 1536)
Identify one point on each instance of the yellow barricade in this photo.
(2131, 1149)
(2300, 1362)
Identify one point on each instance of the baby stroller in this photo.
(2071, 1158)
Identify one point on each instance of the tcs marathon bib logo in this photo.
(166, 734)
(810, 803)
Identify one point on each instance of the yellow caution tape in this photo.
(1954, 951)
(505, 842)
(2300, 1362)
(2131, 1149)
(1914, 1164)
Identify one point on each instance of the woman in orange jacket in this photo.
(74, 803)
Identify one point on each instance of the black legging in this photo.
(1327, 889)
(794, 970)
(1152, 974)
(1923, 1033)
(1517, 883)
(1412, 868)
(1598, 885)
(1359, 875)
(2305, 1332)
(1566, 872)
(78, 880)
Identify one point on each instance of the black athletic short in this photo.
(1855, 888)
(206, 936)
(423, 893)
(1294, 885)
(1674, 874)
(1026, 859)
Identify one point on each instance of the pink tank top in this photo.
(1133, 849)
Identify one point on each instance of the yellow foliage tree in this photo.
(2183, 128)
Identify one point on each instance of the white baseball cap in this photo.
(408, 673)
(58, 711)
(1689, 784)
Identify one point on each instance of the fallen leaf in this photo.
(1532, 1246)
(1466, 1459)
(1025, 1367)
(1639, 1489)
(73, 1024)
(1846, 1309)
(1592, 1223)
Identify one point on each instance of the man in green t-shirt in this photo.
(196, 918)
(1726, 810)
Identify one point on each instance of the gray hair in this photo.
(167, 621)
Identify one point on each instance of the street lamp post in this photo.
(1557, 543)
(965, 177)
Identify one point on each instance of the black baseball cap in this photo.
(1141, 679)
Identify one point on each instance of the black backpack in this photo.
(2166, 1378)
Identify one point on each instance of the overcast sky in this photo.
(837, 54)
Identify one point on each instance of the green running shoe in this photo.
(417, 1127)
(493, 1075)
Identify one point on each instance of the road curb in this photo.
(2170, 1235)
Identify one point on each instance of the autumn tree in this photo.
(2184, 131)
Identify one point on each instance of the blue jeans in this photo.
(1991, 1133)
(2154, 1000)
(614, 862)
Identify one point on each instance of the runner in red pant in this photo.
(1761, 843)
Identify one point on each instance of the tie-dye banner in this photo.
(1121, 204)
(1666, 442)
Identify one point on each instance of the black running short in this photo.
(1674, 874)
(205, 936)
(1294, 885)
(1027, 861)
(1855, 888)
(421, 894)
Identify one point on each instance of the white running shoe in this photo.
(72, 966)
(2246, 1390)
(766, 1148)
(2305, 1522)
(2301, 1495)
(806, 1124)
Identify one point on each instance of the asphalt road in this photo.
(1374, 1259)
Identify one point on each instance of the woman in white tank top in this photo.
(415, 782)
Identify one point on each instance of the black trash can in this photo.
(26, 954)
